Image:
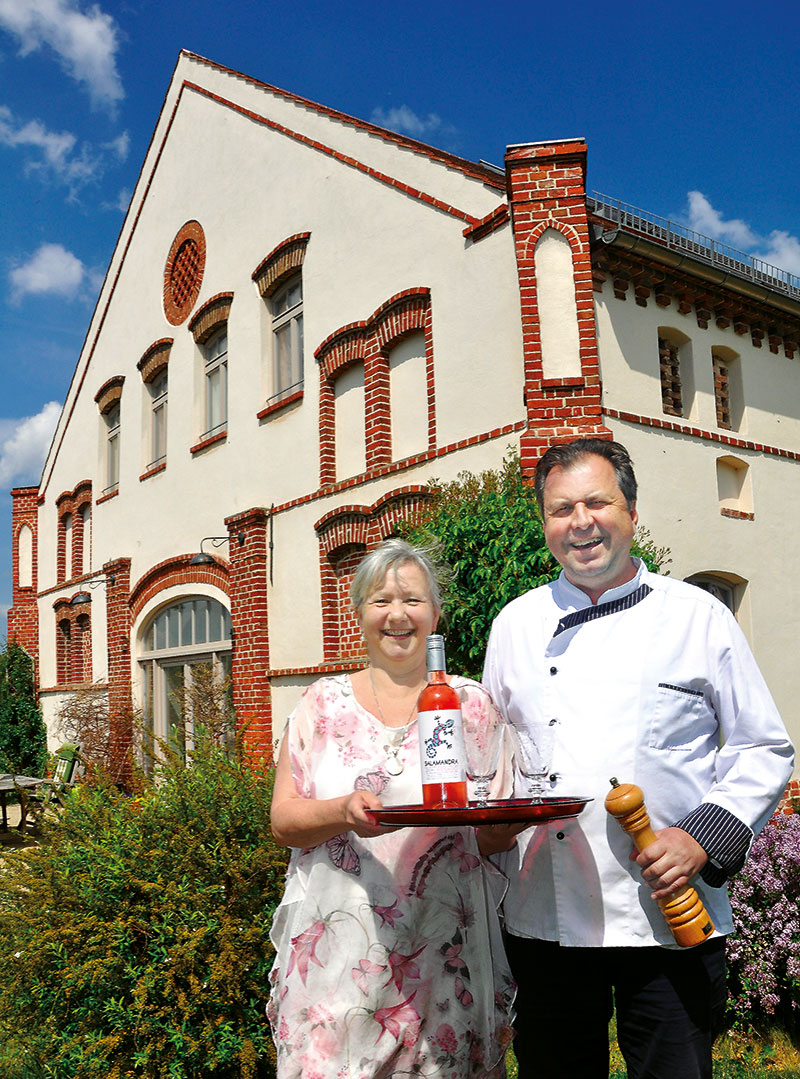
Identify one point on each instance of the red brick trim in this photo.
(487, 176)
(176, 572)
(739, 515)
(183, 272)
(211, 315)
(104, 498)
(370, 342)
(71, 687)
(337, 666)
(344, 159)
(283, 261)
(279, 406)
(560, 383)
(491, 223)
(400, 466)
(84, 579)
(154, 471)
(109, 393)
(696, 432)
(205, 443)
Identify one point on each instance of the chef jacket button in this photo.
(554, 670)
(559, 835)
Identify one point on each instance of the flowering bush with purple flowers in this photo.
(764, 949)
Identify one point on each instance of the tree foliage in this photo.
(23, 736)
(487, 531)
(134, 940)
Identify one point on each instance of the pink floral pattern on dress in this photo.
(389, 956)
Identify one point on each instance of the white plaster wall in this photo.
(557, 306)
(679, 505)
(408, 393)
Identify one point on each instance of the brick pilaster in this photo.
(118, 629)
(248, 592)
(23, 617)
(547, 189)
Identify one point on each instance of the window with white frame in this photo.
(112, 420)
(158, 418)
(215, 351)
(287, 338)
(180, 643)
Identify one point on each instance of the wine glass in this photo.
(534, 745)
(483, 741)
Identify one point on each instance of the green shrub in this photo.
(134, 938)
(23, 736)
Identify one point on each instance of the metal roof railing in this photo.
(679, 238)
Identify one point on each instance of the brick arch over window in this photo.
(345, 535)
(176, 572)
(155, 359)
(283, 261)
(211, 315)
(369, 342)
(109, 393)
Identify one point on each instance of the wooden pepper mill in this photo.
(687, 918)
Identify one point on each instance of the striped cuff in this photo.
(725, 839)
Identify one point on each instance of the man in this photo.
(651, 680)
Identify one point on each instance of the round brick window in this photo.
(183, 273)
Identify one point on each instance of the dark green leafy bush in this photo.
(134, 939)
(23, 737)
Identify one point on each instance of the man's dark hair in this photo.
(567, 454)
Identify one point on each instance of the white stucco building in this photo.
(290, 343)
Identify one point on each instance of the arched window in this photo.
(185, 659)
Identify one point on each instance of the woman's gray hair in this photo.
(391, 555)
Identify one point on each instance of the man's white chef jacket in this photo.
(659, 688)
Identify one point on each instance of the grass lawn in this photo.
(736, 1056)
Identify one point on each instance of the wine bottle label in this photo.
(442, 746)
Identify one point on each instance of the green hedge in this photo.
(134, 938)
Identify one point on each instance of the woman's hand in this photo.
(307, 822)
(358, 819)
(494, 838)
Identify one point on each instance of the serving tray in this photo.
(502, 811)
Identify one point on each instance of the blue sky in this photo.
(689, 110)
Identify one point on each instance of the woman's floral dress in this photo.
(389, 956)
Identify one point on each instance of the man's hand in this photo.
(670, 863)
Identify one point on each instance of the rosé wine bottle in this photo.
(441, 740)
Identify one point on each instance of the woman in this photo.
(389, 958)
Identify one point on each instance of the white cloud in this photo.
(50, 270)
(58, 149)
(405, 121)
(23, 450)
(85, 42)
(120, 146)
(704, 218)
(779, 248)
